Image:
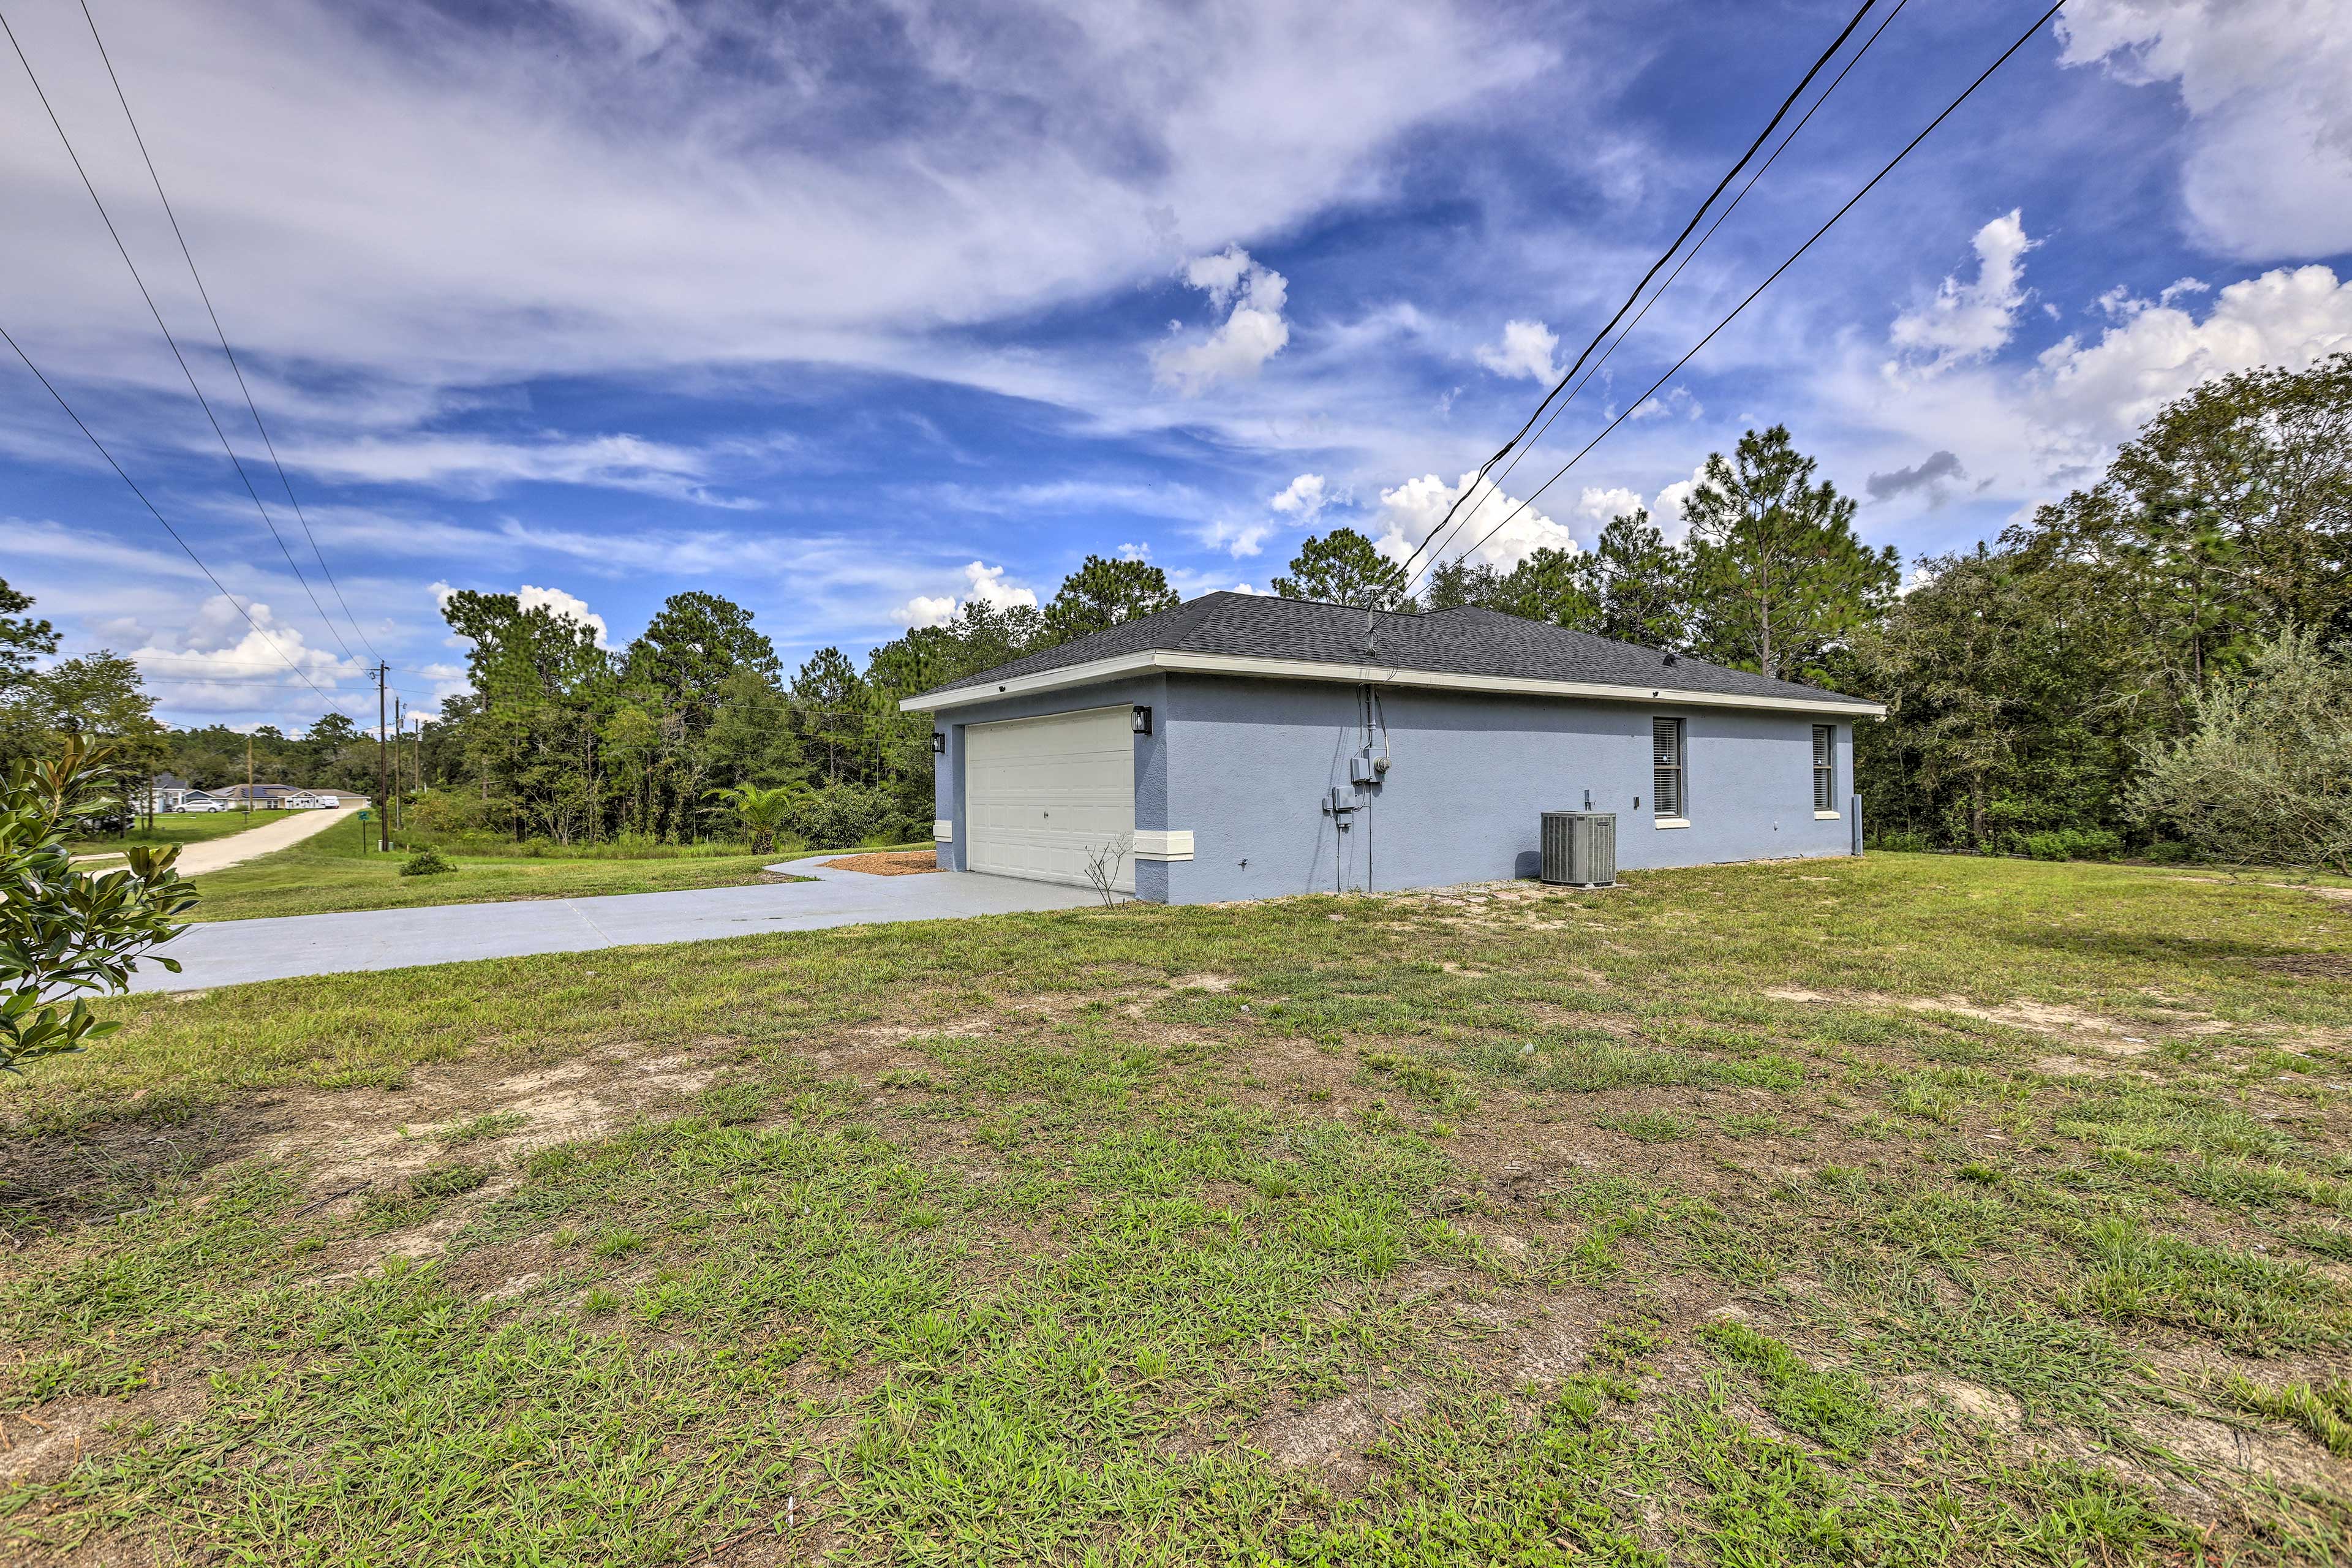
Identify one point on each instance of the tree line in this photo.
(2043, 689)
(2038, 687)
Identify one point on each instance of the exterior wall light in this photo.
(1142, 719)
(938, 743)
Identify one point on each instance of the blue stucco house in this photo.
(1211, 743)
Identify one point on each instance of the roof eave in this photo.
(1102, 669)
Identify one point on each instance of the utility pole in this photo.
(382, 765)
(400, 727)
(249, 781)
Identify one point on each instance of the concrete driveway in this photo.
(230, 953)
(220, 854)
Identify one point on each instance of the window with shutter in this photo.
(1666, 775)
(1824, 767)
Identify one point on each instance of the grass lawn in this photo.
(338, 870)
(177, 827)
(1907, 1210)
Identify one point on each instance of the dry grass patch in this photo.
(1504, 1224)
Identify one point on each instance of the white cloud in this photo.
(1667, 515)
(219, 662)
(1604, 506)
(2101, 390)
(477, 464)
(1252, 333)
(1413, 508)
(1135, 553)
(2268, 170)
(1972, 321)
(1302, 497)
(426, 198)
(564, 607)
(1525, 350)
(983, 583)
(1677, 401)
(1237, 538)
(926, 610)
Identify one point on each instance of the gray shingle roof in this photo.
(1452, 642)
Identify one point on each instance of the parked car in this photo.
(110, 821)
(204, 805)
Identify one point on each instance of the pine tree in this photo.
(1343, 567)
(1777, 574)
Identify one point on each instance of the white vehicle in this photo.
(204, 805)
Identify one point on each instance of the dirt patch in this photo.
(2103, 1035)
(2209, 1446)
(381, 1137)
(45, 1447)
(1989, 1405)
(1330, 1438)
(897, 863)
(63, 1178)
(2311, 965)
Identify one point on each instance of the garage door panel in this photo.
(1040, 793)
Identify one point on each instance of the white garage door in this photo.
(1040, 795)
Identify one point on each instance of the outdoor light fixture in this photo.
(1142, 719)
(939, 743)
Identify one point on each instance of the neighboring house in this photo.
(265, 797)
(1218, 736)
(163, 792)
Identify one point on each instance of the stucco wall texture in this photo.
(1248, 765)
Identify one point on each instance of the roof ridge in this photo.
(1493, 644)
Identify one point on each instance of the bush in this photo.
(2168, 852)
(2072, 844)
(427, 862)
(455, 813)
(843, 814)
(1901, 843)
(2266, 777)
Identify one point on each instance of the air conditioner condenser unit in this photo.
(1579, 848)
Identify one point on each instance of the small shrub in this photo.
(841, 815)
(2072, 844)
(1901, 843)
(427, 862)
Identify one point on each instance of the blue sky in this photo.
(851, 312)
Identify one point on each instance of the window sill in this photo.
(1827, 816)
(1669, 822)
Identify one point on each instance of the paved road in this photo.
(229, 953)
(219, 854)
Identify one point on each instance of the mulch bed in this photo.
(899, 863)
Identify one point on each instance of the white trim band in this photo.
(1669, 822)
(1354, 674)
(1163, 844)
(943, 830)
(1828, 817)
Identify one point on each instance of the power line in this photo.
(206, 295)
(159, 517)
(1688, 257)
(201, 401)
(1794, 256)
(1733, 172)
